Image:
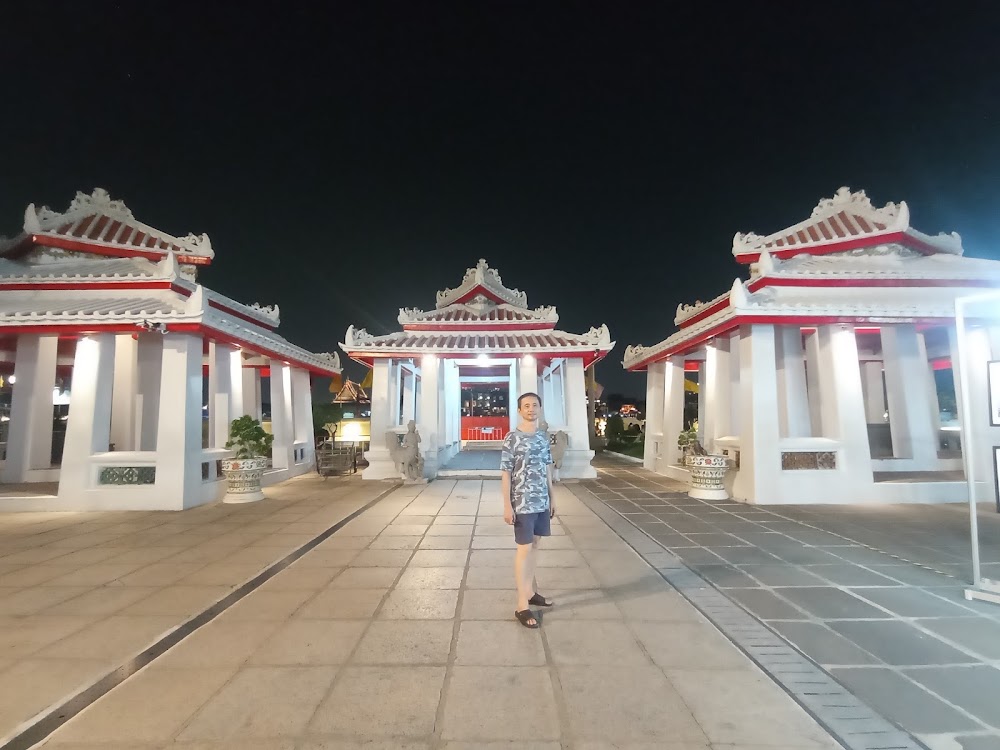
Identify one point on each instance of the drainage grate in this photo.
(851, 721)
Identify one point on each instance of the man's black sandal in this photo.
(540, 601)
(524, 615)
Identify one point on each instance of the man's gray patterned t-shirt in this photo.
(526, 455)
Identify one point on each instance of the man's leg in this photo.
(524, 563)
(534, 566)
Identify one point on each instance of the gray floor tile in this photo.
(899, 643)
(781, 574)
(822, 645)
(911, 602)
(976, 633)
(903, 702)
(827, 603)
(725, 576)
(849, 574)
(765, 605)
(973, 688)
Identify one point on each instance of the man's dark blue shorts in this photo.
(529, 525)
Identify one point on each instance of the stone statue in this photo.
(406, 453)
(558, 443)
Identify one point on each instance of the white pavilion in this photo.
(818, 375)
(479, 332)
(104, 314)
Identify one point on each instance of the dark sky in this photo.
(349, 159)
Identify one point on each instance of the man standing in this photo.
(526, 486)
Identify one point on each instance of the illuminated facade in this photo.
(480, 336)
(826, 376)
(103, 311)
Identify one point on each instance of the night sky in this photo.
(353, 159)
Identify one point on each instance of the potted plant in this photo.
(706, 471)
(251, 446)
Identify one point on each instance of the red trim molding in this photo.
(838, 246)
(863, 324)
(480, 325)
(68, 243)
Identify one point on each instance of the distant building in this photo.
(819, 376)
(481, 334)
(105, 312)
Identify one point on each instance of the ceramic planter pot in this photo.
(243, 476)
(707, 473)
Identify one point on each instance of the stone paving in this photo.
(398, 632)
(872, 595)
(82, 593)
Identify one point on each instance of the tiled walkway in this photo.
(82, 593)
(397, 632)
(873, 595)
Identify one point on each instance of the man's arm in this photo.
(552, 491)
(508, 509)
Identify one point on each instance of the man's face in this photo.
(529, 409)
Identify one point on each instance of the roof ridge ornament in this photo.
(271, 312)
(332, 358)
(738, 295)
(482, 275)
(168, 266)
(598, 336)
(195, 304)
(357, 337)
(895, 217)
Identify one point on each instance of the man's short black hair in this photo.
(526, 395)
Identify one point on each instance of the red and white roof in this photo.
(845, 222)
(480, 316)
(96, 224)
(83, 293)
(872, 281)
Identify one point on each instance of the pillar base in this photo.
(380, 465)
(576, 465)
(699, 494)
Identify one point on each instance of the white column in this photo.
(430, 405)
(29, 437)
(874, 391)
(812, 385)
(395, 387)
(793, 397)
(236, 400)
(380, 463)
(907, 372)
(527, 375)
(147, 403)
(673, 411)
(760, 454)
(702, 400)
(512, 394)
(716, 393)
(655, 380)
(123, 396)
(843, 408)
(281, 416)
(557, 415)
(251, 392)
(179, 451)
(220, 397)
(301, 389)
(88, 430)
(576, 462)
(409, 402)
(734, 383)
